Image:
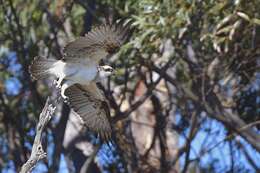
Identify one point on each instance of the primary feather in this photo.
(97, 44)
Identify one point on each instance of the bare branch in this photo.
(214, 110)
(86, 166)
(38, 153)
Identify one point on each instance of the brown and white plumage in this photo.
(78, 71)
(97, 44)
(90, 104)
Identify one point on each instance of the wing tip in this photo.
(105, 136)
(110, 33)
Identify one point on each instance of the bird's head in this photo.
(105, 71)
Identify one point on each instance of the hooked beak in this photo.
(113, 73)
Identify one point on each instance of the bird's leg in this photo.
(65, 85)
(58, 82)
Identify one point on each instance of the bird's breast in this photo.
(82, 74)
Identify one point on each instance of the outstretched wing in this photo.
(97, 44)
(88, 102)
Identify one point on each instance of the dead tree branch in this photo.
(38, 153)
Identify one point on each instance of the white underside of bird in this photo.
(69, 73)
(73, 73)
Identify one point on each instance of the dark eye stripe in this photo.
(109, 69)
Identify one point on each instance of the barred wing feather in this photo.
(92, 109)
(97, 44)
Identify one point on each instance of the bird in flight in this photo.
(78, 71)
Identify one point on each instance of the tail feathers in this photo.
(40, 67)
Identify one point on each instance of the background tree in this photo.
(185, 97)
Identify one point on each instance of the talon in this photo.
(63, 89)
(63, 96)
(66, 100)
(58, 82)
(58, 86)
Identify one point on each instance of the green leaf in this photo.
(256, 21)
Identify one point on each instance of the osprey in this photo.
(78, 71)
